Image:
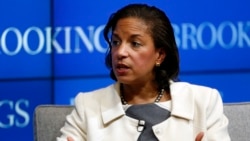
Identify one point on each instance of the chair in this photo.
(48, 119)
(239, 120)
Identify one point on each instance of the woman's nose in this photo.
(122, 51)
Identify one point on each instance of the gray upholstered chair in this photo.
(239, 120)
(48, 119)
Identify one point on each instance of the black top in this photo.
(147, 115)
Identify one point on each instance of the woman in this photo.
(145, 103)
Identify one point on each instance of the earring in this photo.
(157, 64)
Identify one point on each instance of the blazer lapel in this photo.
(182, 100)
(111, 106)
(179, 126)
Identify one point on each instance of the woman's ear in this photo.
(162, 55)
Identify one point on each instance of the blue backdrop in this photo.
(51, 50)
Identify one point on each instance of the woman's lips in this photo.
(121, 69)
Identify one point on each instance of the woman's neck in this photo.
(141, 94)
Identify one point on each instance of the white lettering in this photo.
(81, 35)
(177, 34)
(233, 34)
(188, 33)
(16, 109)
(10, 117)
(200, 32)
(22, 113)
(19, 41)
(243, 29)
(55, 43)
(206, 35)
(40, 37)
(67, 40)
(189, 36)
(97, 40)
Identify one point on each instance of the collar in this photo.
(111, 106)
(181, 96)
(182, 100)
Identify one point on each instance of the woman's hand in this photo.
(69, 139)
(198, 137)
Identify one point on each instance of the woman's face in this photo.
(133, 52)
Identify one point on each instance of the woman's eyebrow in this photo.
(136, 35)
(115, 35)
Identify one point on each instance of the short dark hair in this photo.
(162, 33)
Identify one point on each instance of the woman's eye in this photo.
(114, 42)
(136, 44)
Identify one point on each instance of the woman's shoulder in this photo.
(198, 92)
(100, 92)
(93, 100)
(181, 85)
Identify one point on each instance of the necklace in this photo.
(158, 98)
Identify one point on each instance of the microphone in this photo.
(141, 125)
